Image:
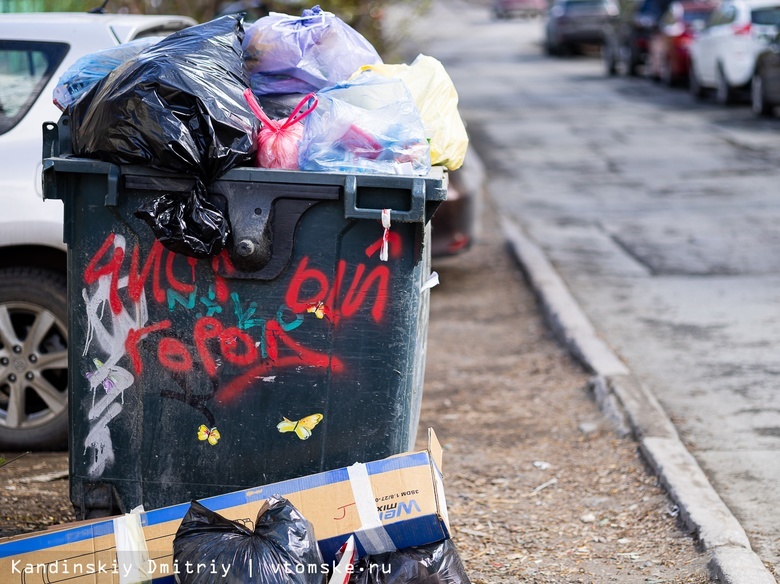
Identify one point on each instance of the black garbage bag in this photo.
(179, 107)
(436, 563)
(281, 548)
(187, 223)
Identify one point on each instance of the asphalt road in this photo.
(661, 214)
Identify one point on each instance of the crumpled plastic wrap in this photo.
(89, 69)
(302, 54)
(436, 98)
(369, 125)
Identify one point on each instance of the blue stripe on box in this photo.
(285, 487)
(177, 512)
(418, 531)
(58, 538)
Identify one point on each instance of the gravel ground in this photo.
(538, 486)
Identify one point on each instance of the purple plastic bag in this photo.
(302, 54)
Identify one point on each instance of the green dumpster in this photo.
(296, 350)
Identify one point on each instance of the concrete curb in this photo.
(634, 409)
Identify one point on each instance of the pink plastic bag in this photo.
(277, 141)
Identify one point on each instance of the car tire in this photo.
(608, 57)
(724, 93)
(666, 75)
(33, 360)
(758, 101)
(694, 86)
(632, 62)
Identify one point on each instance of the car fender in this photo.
(739, 63)
(31, 221)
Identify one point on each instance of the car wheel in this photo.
(608, 57)
(758, 101)
(724, 94)
(666, 75)
(632, 62)
(652, 74)
(694, 87)
(33, 360)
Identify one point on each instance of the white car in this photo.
(35, 49)
(723, 56)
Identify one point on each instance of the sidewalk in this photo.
(629, 405)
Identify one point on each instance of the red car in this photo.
(669, 59)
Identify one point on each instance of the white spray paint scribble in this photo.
(110, 342)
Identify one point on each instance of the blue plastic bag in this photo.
(89, 69)
(369, 125)
(302, 54)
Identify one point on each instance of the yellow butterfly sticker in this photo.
(302, 427)
(212, 435)
(319, 310)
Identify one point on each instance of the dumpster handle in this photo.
(112, 187)
(416, 213)
(51, 166)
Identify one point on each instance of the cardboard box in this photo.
(396, 502)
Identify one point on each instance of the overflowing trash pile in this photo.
(282, 548)
(289, 93)
(202, 101)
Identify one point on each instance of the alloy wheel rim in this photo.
(33, 366)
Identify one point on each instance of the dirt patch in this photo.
(538, 486)
(34, 493)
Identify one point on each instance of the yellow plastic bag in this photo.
(436, 98)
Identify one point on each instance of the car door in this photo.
(707, 49)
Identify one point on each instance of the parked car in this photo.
(456, 224)
(627, 35)
(765, 85)
(669, 59)
(526, 8)
(723, 56)
(571, 23)
(35, 49)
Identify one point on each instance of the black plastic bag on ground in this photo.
(436, 563)
(280, 549)
(178, 107)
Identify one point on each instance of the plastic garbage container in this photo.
(296, 350)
